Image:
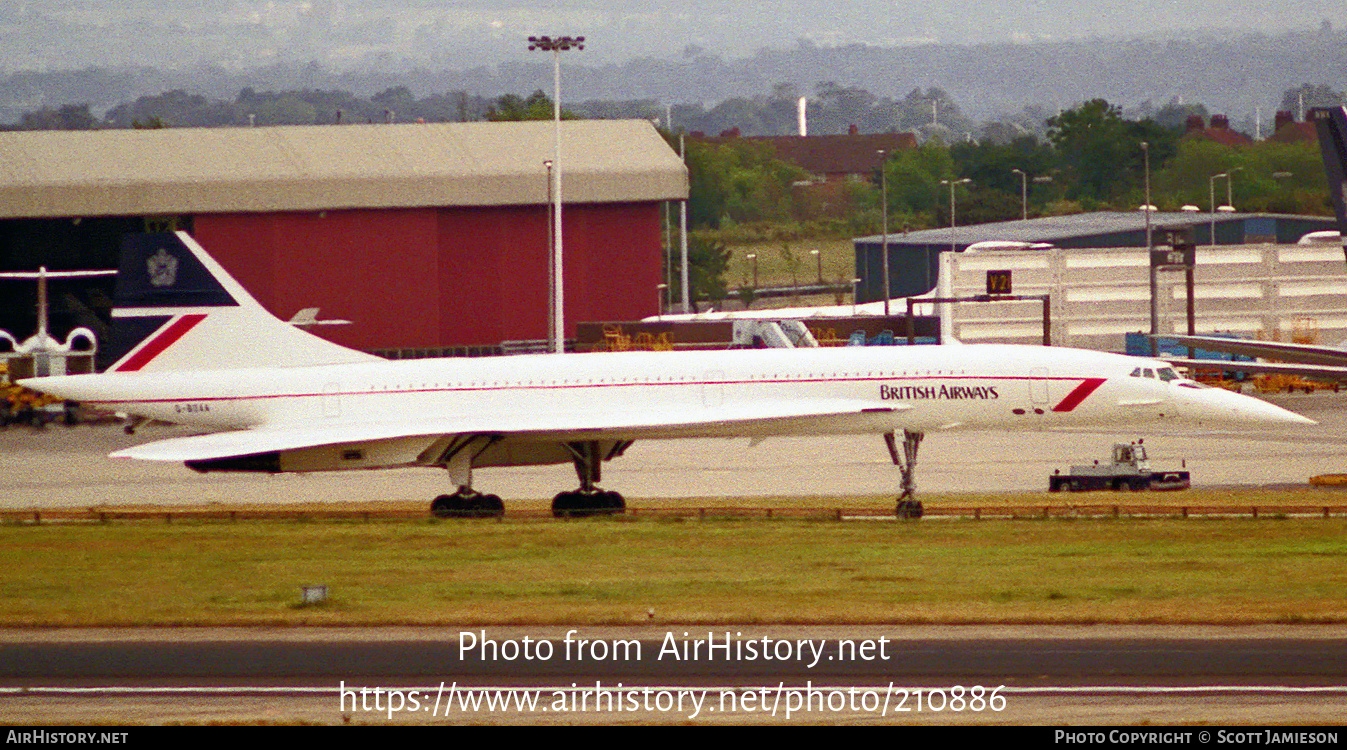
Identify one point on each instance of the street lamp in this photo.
(659, 298)
(551, 259)
(818, 259)
(952, 183)
(556, 45)
(754, 258)
(1211, 190)
(884, 244)
(1024, 193)
(1155, 310)
(1024, 190)
(854, 283)
(1146, 151)
(1229, 182)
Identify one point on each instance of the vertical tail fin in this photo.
(177, 309)
(1332, 125)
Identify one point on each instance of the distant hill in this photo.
(1228, 73)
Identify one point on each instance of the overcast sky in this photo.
(69, 33)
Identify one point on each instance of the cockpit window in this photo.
(1136, 373)
(1148, 372)
(1167, 373)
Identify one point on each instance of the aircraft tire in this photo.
(490, 506)
(615, 502)
(446, 506)
(563, 505)
(583, 505)
(909, 509)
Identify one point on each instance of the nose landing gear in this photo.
(907, 506)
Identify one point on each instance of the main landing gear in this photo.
(907, 506)
(467, 503)
(458, 453)
(457, 457)
(589, 500)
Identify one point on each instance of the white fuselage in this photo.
(918, 388)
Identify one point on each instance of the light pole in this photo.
(854, 283)
(818, 259)
(683, 231)
(1211, 189)
(1024, 193)
(551, 256)
(884, 244)
(753, 257)
(1146, 154)
(659, 298)
(556, 45)
(1024, 190)
(951, 184)
(1155, 309)
(1229, 183)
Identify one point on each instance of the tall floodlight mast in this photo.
(556, 45)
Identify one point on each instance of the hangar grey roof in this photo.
(199, 170)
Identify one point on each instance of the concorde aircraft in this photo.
(197, 349)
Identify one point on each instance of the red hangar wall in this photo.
(426, 236)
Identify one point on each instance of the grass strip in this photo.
(616, 571)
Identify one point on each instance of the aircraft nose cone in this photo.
(1291, 417)
(1235, 408)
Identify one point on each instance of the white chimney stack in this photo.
(804, 124)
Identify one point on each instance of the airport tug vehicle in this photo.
(1129, 470)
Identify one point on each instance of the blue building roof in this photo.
(1113, 228)
(913, 257)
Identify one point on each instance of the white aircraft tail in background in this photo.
(1306, 360)
(195, 348)
(1331, 123)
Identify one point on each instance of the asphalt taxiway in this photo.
(874, 674)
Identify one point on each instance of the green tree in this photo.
(66, 117)
(538, 106)
(1269, 176)
(740, 181)
(914, 178)
(995, 192)
(1093, 142)
(708, 261)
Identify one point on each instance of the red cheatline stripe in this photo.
(164, 340)
(1079, 394)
